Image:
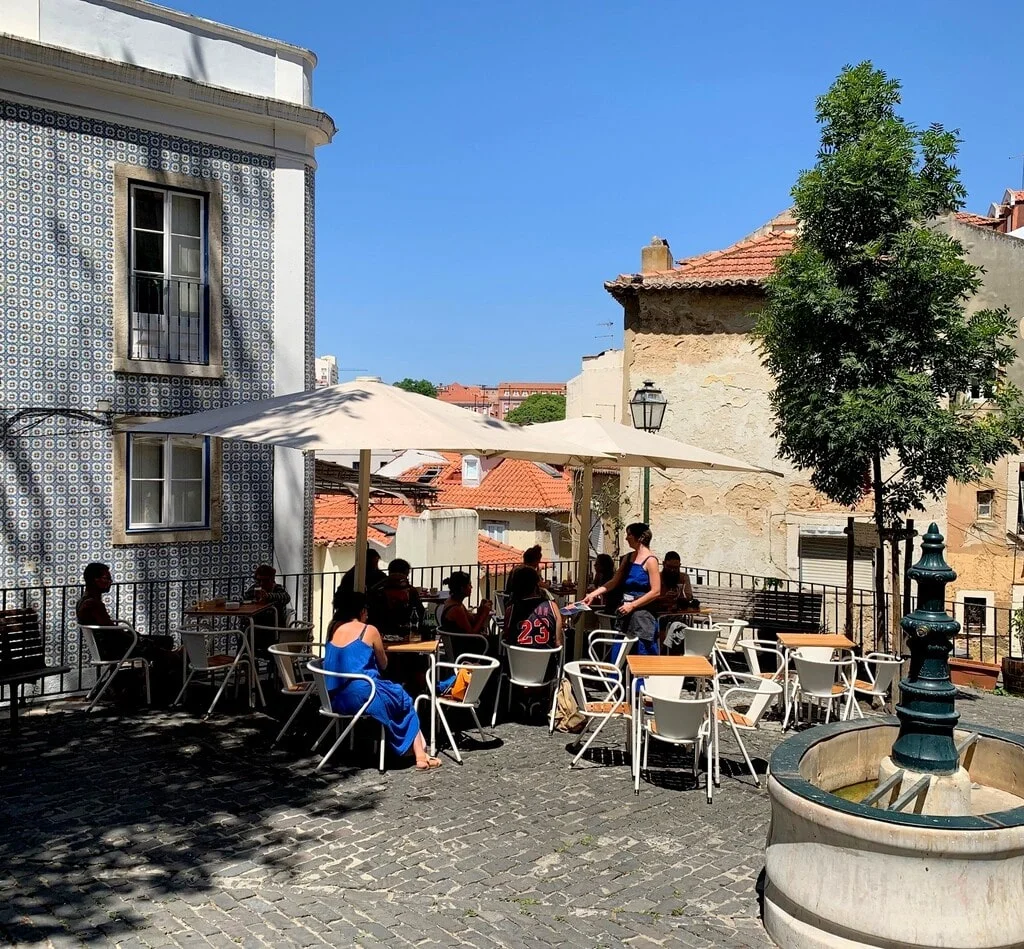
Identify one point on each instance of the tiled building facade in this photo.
(157, 263)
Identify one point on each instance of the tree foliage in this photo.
(865, 330)
(539, 407)
(422, 386)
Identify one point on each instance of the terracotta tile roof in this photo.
(458, 394)
(494, 552)
(746, 263)
(334, 519)
(978, 220)
(532, 386)
(512, 485)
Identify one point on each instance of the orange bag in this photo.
(461, 684)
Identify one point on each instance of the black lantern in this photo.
(648, 407)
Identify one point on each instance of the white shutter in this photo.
(823, 560)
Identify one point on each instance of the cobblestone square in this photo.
(154, 828)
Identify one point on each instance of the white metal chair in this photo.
(290, 659)
(701, 641)
(322, 678)
(603, 676)
(609, 647)
(457, 644)
(676, 721)
(729, 635)
(880, 670)
(107, 669)
(823, 681)
(757, 693)
(197, 642)
(480, 669)
(528, 668)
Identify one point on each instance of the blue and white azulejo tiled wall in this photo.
(56, 344)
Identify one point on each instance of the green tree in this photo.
(539, 407)
(422, 386)
(864, 329)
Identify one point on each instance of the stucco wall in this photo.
(596, 391)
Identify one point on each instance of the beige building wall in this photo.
(596, 391)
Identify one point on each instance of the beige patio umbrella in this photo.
(627, 447)
(367, 415)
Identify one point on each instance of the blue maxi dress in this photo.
(391, 706)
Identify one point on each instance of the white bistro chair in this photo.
(107, 669)
(606, 679)
(726, 645)
(676, 721)
(290, 660)
(480, 669)
(823, 682)
(880, 671)
(196, 644)
(457, 644)
(528, 669)
(606, 647)
(753, 692)
(322, 678)
(754, 650)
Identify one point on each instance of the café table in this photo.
(790, 642)
(247, 611)
(697, 667)
(428, 648)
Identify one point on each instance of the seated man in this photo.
(374, 575)
(394, 604)
(114, 641)
(676, 591)
(267, 590)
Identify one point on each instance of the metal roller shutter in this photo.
(823, 560)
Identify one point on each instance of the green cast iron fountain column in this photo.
(926, 711)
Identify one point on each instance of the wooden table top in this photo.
(670, 666)
(833, 640)
(424, 648)
(245, 609)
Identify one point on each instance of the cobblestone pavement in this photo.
(141, 828)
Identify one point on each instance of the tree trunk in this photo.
(881, 625)
(897, 599)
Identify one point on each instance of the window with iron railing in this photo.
(168, 285)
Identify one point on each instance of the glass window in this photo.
(168, 484)
(168, 276)
(496, 530)
(984, 504)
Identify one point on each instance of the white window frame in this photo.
(166, 524)
(984, 509)
(960, 613)
(493, 528)
(167, 275)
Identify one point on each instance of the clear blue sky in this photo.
(497, 161)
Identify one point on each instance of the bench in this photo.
(22, 656)
(768, 611)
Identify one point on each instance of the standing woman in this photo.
(640, 581)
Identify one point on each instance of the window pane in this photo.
(148, 209)
(149, 252)
(187, 461)
(185, 215)
(185, 257)
(147, 457)
(146, 502)
(186, 502)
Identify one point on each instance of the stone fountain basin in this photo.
(841, 874)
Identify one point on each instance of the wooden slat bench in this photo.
(22, 656)
(767, 611)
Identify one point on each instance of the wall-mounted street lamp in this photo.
(648, 410)
(15, 422)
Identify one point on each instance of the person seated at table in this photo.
(676, 591)
(374, 575)
(640, 581)
(394, 604)
(532, 557)
(354, 646)
(267, 590)
(531, 619)
(453, 617)
(114, 641)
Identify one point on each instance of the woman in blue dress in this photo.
(355, 646)
(640, 581)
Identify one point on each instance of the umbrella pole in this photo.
(362, 519)
(583, 554)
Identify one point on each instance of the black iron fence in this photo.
(157, 606)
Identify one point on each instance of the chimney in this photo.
(656, 256)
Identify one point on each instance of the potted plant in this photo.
(978, 675)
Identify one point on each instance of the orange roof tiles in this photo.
(494, 552)
(334, 518)
(746, 263)
(458, 394)
(512, 485)
(977, 220)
